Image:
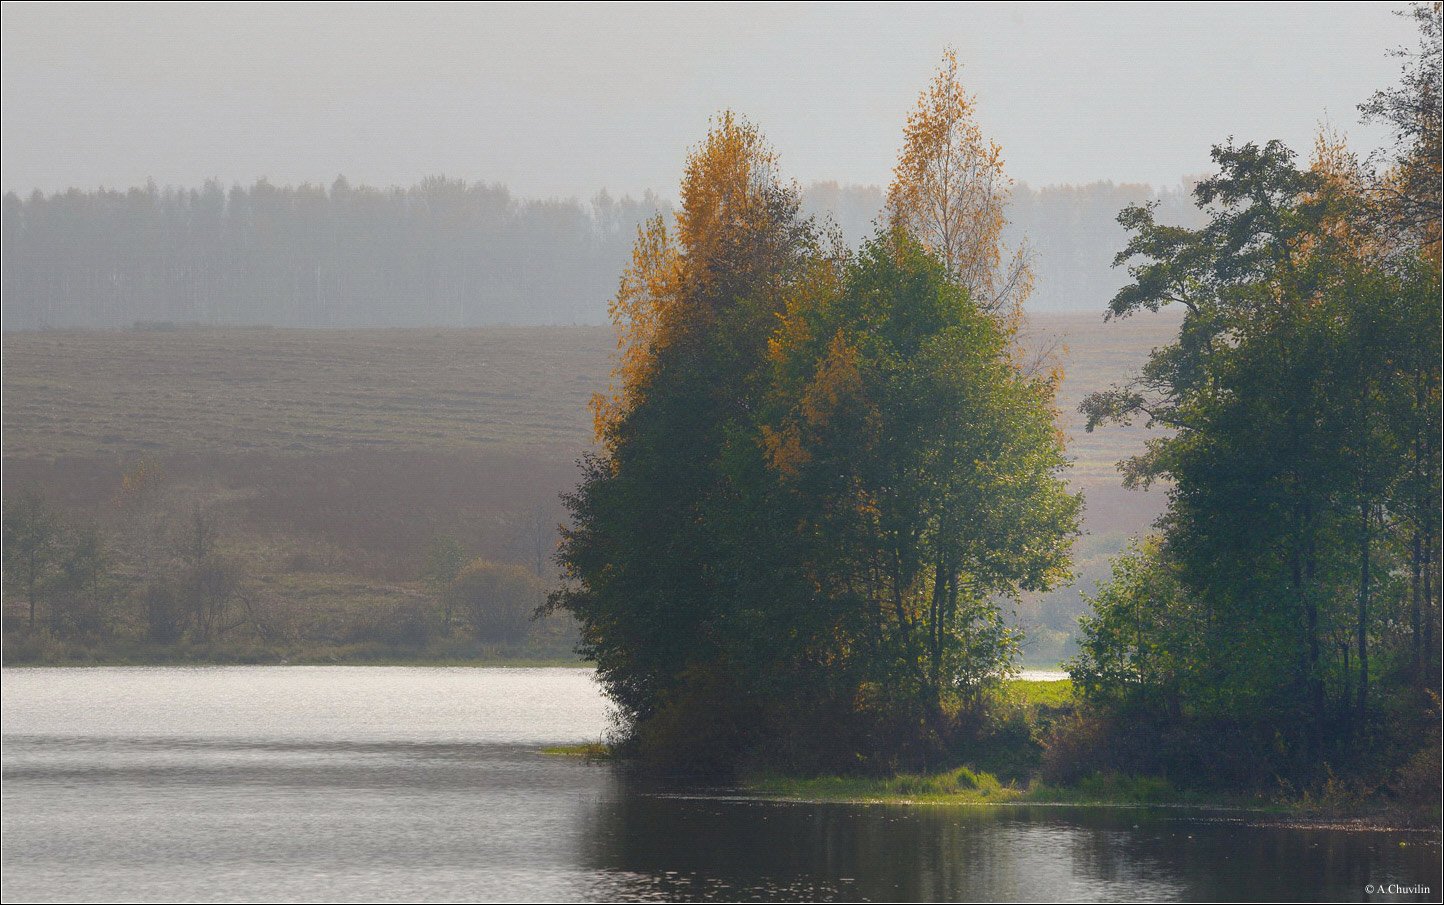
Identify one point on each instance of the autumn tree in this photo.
(497, 600)
(663, 556)
(950, 192)
(820, 474)
(1409, 184)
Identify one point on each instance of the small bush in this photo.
(497, 600)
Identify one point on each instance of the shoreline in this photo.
(403, 662)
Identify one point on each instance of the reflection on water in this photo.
(355, 784)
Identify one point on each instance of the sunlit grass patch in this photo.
(590, 751)
(961, 785)
(1036, 693)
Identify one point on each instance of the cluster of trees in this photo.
(160, 575)
(821, 470)
(73, 584)
(1284, 621)
(64, 565)
(441, 253)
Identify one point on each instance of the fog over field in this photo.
(467, 166)
(443, 252)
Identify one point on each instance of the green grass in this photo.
(589, 751)
(958, 786)
(965, 786)
(1033, 693)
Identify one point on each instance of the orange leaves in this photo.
(724, 189)
(649, 291)
(1343, 187)
(140, 485)
(838, 383)
(667, 289)
(949, 191)
(833, 401)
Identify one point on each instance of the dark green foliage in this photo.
(31, 535)
(1282, 619)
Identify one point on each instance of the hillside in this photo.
(334, 457)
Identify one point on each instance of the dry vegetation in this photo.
(333, 458)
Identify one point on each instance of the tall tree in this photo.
(950, 192)
(1409, 185)
(1290, 398)
(662, 555)
(926, 469)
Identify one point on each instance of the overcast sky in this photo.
(563, 100)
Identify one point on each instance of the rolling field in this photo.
(335, 457)
(199, 391)
(128, 393)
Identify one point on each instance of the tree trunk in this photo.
(1363, 618)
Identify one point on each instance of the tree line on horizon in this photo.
(443, 252)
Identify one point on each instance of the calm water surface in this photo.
(374, 783)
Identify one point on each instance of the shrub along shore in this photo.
(1017, 777)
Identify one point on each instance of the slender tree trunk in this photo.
(1363, 617)
(1303, 579)
(1415, 614)
(935, 636)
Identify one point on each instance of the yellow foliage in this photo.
(140, 485)
(837, 383)
(1344, 187)
(724, 190)
(950, 192)
(667, 290)
(648, 292)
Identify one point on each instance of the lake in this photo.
(379, 783)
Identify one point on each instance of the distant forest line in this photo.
(443, 252)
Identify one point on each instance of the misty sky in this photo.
(564, 100)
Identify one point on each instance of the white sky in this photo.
(564, 100)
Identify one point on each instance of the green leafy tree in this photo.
(1293, 457)
(667, 562)
(32, 534)
(444, 561)
(820, 475)
(82, 588)
(925, 468)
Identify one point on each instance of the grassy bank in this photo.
(963, 786)
(1039, 703)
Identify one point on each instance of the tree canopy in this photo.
(820, 473)
(1292, 593)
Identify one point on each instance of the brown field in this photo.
(339, 455)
